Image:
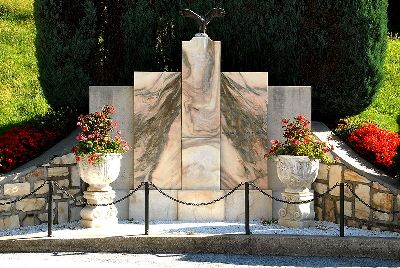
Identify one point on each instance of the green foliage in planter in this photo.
(65, 40)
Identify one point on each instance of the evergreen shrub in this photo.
(65, 40)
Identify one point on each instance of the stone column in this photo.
(201, 134)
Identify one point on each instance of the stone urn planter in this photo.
(297, 173)
(99, 175)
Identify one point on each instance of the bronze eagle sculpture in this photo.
(203, 21)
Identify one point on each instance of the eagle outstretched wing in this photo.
(190, 14)
(203, 21)
(214, 13)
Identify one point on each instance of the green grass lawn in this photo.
(21, 97)
(385, 108)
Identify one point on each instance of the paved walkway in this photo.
(98, 260)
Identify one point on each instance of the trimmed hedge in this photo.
(65, 41)
(342, 47)
(337, 47)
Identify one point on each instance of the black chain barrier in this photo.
(84, 203)
(197, 204)
(24, 196)
(367, 205)
(294, 202)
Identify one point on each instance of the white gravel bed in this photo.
(73, 229)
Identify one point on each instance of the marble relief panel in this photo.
(157, 128)
(244, 140)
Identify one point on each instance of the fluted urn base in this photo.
(297, 215)
(99, 216)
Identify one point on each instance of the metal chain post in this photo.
(247, 207)
(50, 210)
(341, 209)
(146, 208)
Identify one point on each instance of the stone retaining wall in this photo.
(356, 214)
(33, 209)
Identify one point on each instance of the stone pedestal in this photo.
(101, 216)
(297, 215)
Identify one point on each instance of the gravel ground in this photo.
(73, 230)
(100, 260)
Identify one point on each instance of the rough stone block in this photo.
(63, 183)
(382, 201)
(323, 172)
(9, 222)
(330, 210)
(75, 213)
(58, 172)
(67, 159)
(75, 177)
(17, 189)
(318, 213)
(348, 208)
(320, 188)
(214, 212)
(260, 206)
(62, 212)
(335, 176)
(43, 190)
(37, 173)
(160, 207)
(44, 216)
(30, 204)
(350, 175)
(4, 207)
(29, 220)
(379, 187)
(361, 211)
(382, 216)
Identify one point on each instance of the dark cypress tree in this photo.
(65, 41)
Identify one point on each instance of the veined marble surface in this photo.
(157, 128)
(201, 144)
(244, 100)
(201, 163)
(201, 60)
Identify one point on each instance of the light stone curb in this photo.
(272, 245)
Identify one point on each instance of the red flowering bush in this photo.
(300, 141)
(20, 144)
(375, 144)
(95, 137)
